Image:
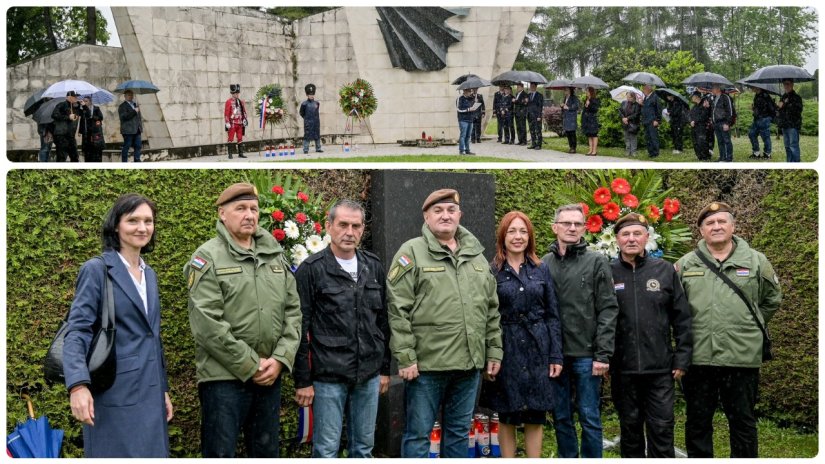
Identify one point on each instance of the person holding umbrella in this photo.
(676, 110)
(504, 113)
(66, 115)
(569, 117)
(590, 120)
(91, 130)
(465, 106)
(722, 117)
(699, 118)
(764, 110)
(631, 113)
(131, 126)
(651, 118)
(789, 119)
(535, 107)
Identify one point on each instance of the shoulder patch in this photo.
(405, 262)
(198, 263)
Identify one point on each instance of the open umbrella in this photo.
(43, 115)
(461, 79)
(508, 78)
(589, 81)
(707, 79)
(34, 438)
(534, 77)
(137, 86)
(679, 97)
(779, 72)
(642, 77)
(474, 83)
(34, 101)
(559, 84)
(101, 97)
(620, 93)
(770, 88)
(59, 89)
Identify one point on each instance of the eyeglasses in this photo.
(567, 225)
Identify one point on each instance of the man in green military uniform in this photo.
(727, 331)
(444, 321)
(245, 316)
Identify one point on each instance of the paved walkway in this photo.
(488, 148)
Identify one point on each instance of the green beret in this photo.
(237, 192)
(441, 196)
(630, 219)
(713, 208)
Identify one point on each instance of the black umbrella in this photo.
(778, 73)
(534, 77)
(474, 83)
(559, 84)
(461, 79)
(665, 92)
(43, 115)
(34, 101)
(770, 88)
(589, 81)
(642, 77)
(508, 78)
(707, 79)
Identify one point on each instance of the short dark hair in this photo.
(349, 204)
(126, 204)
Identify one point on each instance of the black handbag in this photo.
(767, 345)
(101, 358)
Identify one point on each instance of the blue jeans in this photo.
(317, 145)
(723, 142)
(466, 131)
(45, 149)
(453, 393)
(578, 374)
(130, 140)
(791, 138)
(652, 136)
(227, 406)
(361, 404)
(761, 127)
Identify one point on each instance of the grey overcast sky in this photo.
(811, 65)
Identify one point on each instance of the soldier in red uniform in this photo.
(234, 118)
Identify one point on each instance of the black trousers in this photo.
(521, 126)
(676, 135)
(66, 146)
(700, 143)
(571, 139)
(508, 131)
(736, 388)
(476, 137)
(645, 406)
(500, 128)
(535, 129)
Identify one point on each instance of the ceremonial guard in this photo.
(504, 113)
(520, 112)
(311, 112)
(478, 117)
(234, 118)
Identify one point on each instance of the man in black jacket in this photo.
(651, 117)
(699, 118)
(66, 116)
(722, 117)
(644, 367)
(343, 361)
(764, 110)
(789, 119)
(535, 107)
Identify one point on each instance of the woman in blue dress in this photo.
(523, 391)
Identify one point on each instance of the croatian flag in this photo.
(264, 104)
(305, 424)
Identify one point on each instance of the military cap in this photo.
(629, 219)
(237, 192)
(441, 196)
(72, 93)
(713, 208)
(234, 88)
(310, 89)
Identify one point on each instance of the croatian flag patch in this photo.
(619, 286)
(198, 262)
(404, 261)
(743, 272)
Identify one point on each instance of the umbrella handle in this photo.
(29, 404)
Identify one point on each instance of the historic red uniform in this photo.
(234, 116)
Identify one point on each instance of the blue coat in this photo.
(569, 116)
(311, 112)
(531, 334)
(130, 417)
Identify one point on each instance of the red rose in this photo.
(318, 227)
(630, 200)
(301, 218)
(601, 195)
(653, 213)
(279, 234)
(594, 224)
(585, 208)
(278, 215)
(611, 211)
(672, 206)
(278, 189)
(620, 186)
(303, 197)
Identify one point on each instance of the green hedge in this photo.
(53, 219)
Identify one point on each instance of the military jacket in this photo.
(243, 306)
(443, 306)
(724, 332)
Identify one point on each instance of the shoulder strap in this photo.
(107, 310)
(716, 270)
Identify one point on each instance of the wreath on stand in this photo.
(269, 107)
(358, 103)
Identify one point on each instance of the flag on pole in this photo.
(264, 104)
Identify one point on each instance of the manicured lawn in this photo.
(409, 159)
